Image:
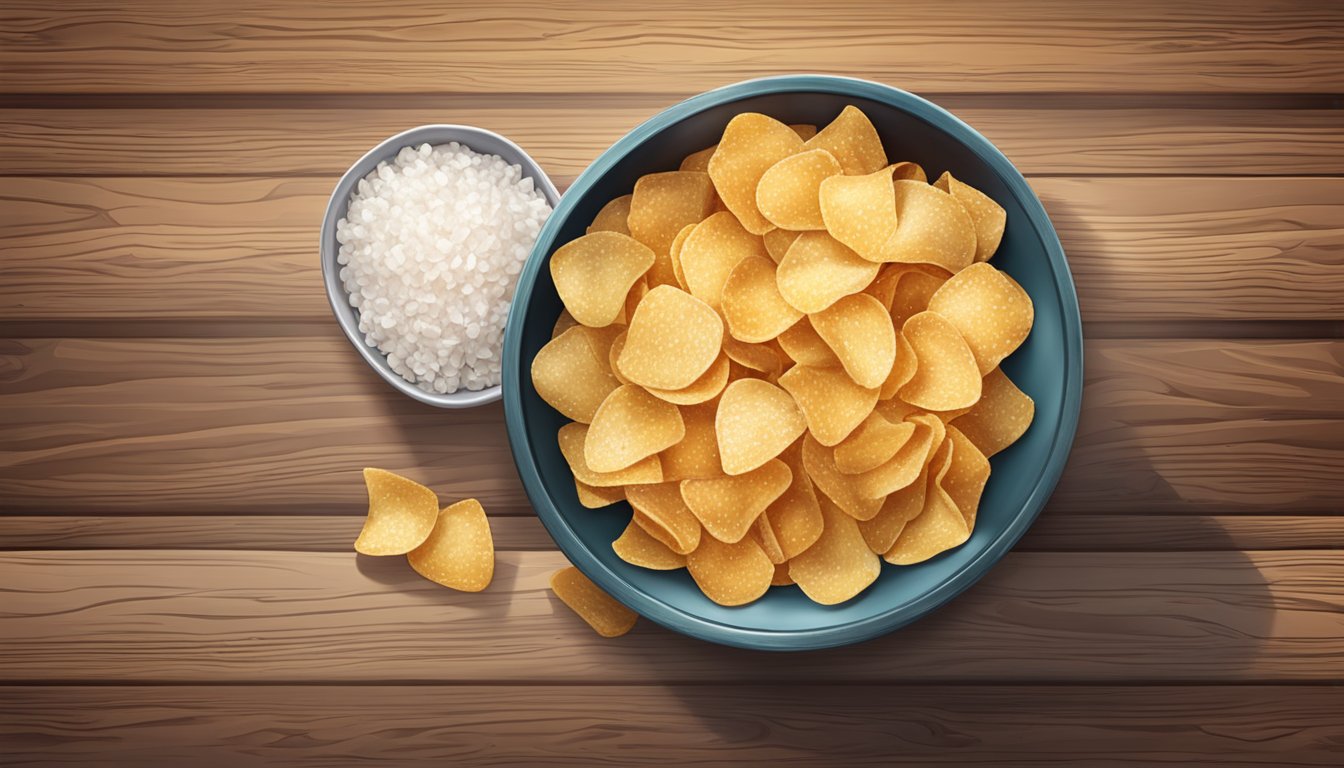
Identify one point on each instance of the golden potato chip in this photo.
(764, 536)
(858, 330)
(698, 161)
(946, 376)
(572, 437)
(763, 358)
(860, 211)
(899, 509)
(835, 485)
(902, 370)
(781, 577)
(832, 404)
(967, 473)
(727, 506)
(613, 217)
(989, 308)
(402, 513)
(895, 410)
(630, 425)
(636, 295)
(673, 339)
(933, 228)
(883, 287)
(703, 389)
(750, 145)
(663, 203)
(674, 254)
(904, 467)
(787, 193)
(711, 251)
(818, 271)
(730, 573)
(752, 305)
(593, 497)
(594, 273)
(663, 513)
(908, 170)
(803, 345)
(570, 377)
(563, 323)
(756, 422)
(916, 285)
(939, 527)
(637, 547)
(601, 611)
(697, 455)
(871, 445)
(804, 130)
(854, 142)
(614, 355)
(777, 242)
(460, 552)
(1000, 417)
(795, 517)
(840, 565)
(988, 216)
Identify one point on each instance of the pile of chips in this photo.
(784, 356)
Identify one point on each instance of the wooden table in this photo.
(182, 426)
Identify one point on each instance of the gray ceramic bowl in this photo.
(479, 140)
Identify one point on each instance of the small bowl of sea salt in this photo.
(422, 244)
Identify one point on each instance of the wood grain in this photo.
(1141, 249)
(565, 134)
(200, 616)
(1026, 726)
(218, 425)
(519, 529)
(678, 47)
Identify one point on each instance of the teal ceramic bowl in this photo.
(1048, 366)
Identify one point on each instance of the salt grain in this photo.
(431, 248)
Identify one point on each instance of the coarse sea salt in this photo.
(430, 251)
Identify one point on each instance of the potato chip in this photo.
(727, 506)
(593, 497)
(663, 203)
(750, 145)
(781, 577)
(904, 467)
(614, 355)
(895, 410)
(917, 284)
(908, 170)
(795, 517)
(777, 242)
(854, 142)
(563, 323)
(731, 573)
(761, 358)
(939, 527)
(933, 228)
(572, 437)
(697, 455)
(601, 611)
(460, 552)
(663, 513)
(805, 131)
(673, 339)
(966, 475)
(803, 345)
(897, 511)
(787, 193)
(711, 251)
(818, 271)
(858, 330)
(636, 295)
(832, 404)
(902, 370)
(594, 273)
(674, 254)
(570, 377)
(764, 536)
(637, 547)
(835, 485)
(840, 565)
(401, 515)
(946, 376)
(883, 287)
(1000, 417)
(706, 388)
(988, 216)
(989, 308)
(871, 445)
(860, 211)
(698, 161)
(752, 305)
(756, 422)
(630, 425)
(614, 217)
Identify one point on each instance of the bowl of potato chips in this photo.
(793, 363)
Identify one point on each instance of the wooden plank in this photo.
(569, 45)
(565, 135)
(1142, 249)
(519, 529)
(176, 426)
(829, 725)
(201, 616)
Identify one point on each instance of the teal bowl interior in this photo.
(1048, 367)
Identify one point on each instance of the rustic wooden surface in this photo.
(181, 427)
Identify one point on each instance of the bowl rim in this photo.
(857, 630)
(339, 201)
